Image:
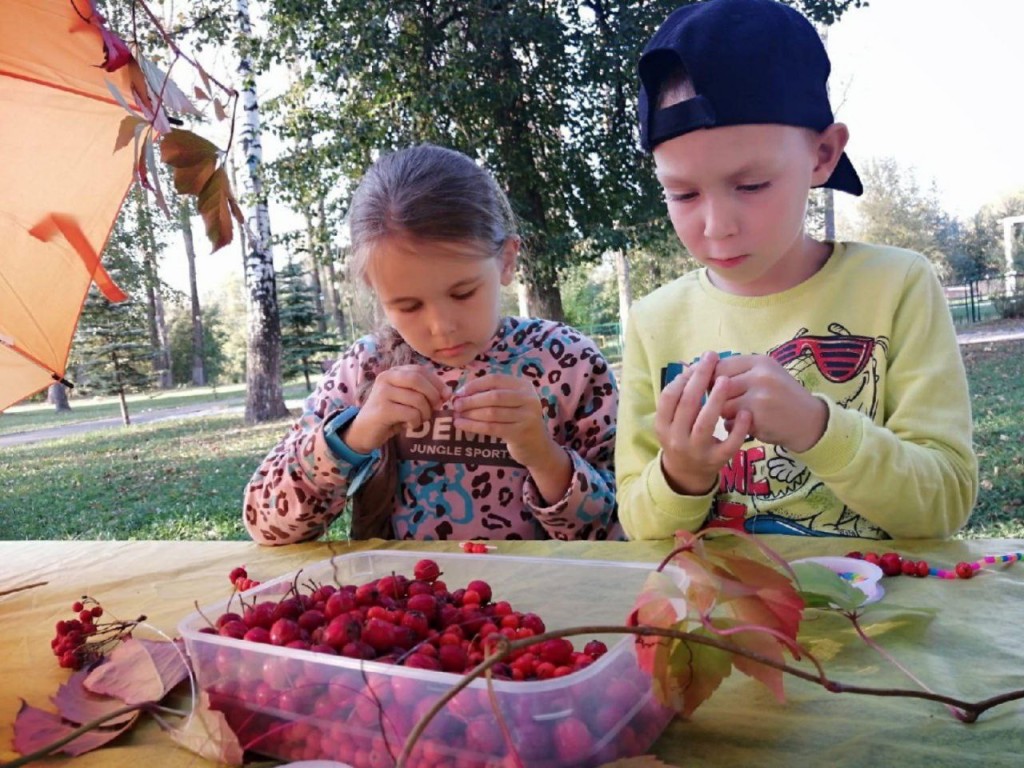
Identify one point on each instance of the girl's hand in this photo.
(509, 408)
(402, 397)
(691, 455)
(783, 412)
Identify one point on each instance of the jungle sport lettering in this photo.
(439, 440)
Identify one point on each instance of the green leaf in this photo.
(822, 587)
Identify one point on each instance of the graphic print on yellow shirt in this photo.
(764, 489)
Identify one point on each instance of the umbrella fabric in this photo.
(61, 183)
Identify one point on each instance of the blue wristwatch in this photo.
(362, 463)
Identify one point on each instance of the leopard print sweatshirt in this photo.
(453, 485)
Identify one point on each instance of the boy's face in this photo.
(737, 195)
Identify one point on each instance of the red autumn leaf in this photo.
(128, 130)
(193, 158)
(139, 671)
(218, 206)
(79, 705)
(35, 728)
(207, 733)
(733, 595)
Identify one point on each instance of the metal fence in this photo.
(989, 299)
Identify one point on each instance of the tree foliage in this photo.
(543, 93)
(896, 211)
(303, 344)
(111, 353)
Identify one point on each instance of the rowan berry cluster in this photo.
(79, 641)
(240, 578)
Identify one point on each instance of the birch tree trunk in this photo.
(264, 395)
(198, 353)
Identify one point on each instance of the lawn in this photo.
(183, 479)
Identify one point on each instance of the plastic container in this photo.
(299, 705)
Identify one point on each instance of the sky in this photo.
(936, 84)
(939, 86)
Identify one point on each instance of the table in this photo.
(973, 647)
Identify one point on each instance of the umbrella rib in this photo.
(66, 89)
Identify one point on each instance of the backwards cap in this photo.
(750, 62)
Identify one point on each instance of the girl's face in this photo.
(443, 298)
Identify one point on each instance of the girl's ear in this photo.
(828, 147)
(509, 258)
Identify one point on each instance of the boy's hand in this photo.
(405, 396)
(783, 412)
(691, 454)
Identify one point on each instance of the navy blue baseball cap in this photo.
(750, 62)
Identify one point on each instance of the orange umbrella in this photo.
(61, 181)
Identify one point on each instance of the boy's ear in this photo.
(829, 146)
(509, 258)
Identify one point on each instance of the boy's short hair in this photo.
(737, 62)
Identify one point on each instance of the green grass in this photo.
(183, 479)
(996, 375)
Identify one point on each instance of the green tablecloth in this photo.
(973, 647)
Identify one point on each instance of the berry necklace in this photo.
(892, 564)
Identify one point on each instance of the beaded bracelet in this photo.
(892, 564)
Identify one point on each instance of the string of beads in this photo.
(892, 564)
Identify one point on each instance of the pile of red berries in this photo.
(80, 641)
(293, 707)
(415, 622)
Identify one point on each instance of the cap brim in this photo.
(845, 178)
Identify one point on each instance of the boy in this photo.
(791, 385)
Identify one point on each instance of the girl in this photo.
(454, 422)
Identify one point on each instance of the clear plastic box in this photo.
(300, 705)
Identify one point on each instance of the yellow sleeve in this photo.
(916, 475)
(648, 507)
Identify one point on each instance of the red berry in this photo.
(573, 741)
(482, 588)
(964, 570)
(284, 631)
(237, 573)
(891, 564)
(76, 607)
(855, 555)
(96, 611)
(922, 568)
(426, 570)
(871, 557)
(595, 649)
(909, 568)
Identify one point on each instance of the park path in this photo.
(1002, 331)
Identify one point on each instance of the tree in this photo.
(303, 344)
(57, 395)
(894, 210)
(264, 394)
(543, 93)
(181, 330)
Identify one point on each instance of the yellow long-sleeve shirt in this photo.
(871, 335)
